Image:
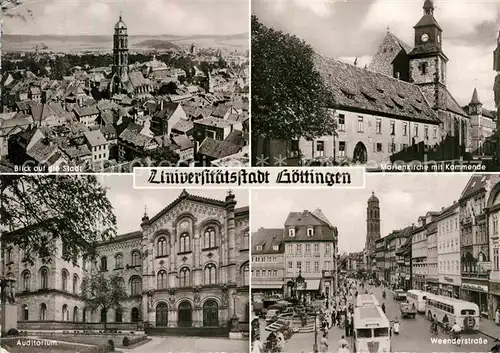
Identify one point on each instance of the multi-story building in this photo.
(186, 269)
(493, 215)
(380, 248)
(448, 239)
(404, 262)
(419, 255)
(268, 262)
(474, 240)
(432, 255)
(482, 122)
(310, 252)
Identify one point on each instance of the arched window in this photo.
(246, 279)
(136, 258)
(184, 243)
(26, 281)
(75, 283)
(43, 312)
(65, 313)
(134, 315)
(162, 279)
(25, 313)
(162, 315)
(184, 277)
(64, 276)
(118, 315)
(75, 314)
(44, 278)
(104, 263)
(210, 274)
(104, 315)
(135, 286)
(209, 238)
(161, 248)
(246, 243)
(118, 261)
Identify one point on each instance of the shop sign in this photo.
(475, 287)
(448, 279)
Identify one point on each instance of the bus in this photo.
(372, 331)
(451, 310)
(366, 300)
(417, 297)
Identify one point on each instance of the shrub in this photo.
(13, 332)
(111, 345)
(125, 342)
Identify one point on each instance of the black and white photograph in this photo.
(103, 86)
(407, 264)
(90, 264)
(376, 83)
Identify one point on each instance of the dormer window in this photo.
(291, 232)
(259, 247)
(310, 231)
(276, 247)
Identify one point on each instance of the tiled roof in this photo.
(217, 149)
(475, 183)
(40, 112)
(268, 238)
(220, 111)
(95, 138)
(41, 152)
(123, 237)
(319, 214)
(183, 142)
(241, 210)
(357, 89)
(390, 47)
(215, 122)
(86, 111)
(236, 138)
(78, 151)
(300, 222)
(183, 125)
(452, 104)
(132, 135)
(167, 112)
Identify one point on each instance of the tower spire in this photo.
(428, 7)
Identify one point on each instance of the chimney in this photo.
(305, 211)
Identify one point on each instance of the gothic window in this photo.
(135, 286)
(246, 242)
(26, 280)
(118, 261)
(210, 274)
(25, 313)
(136, 258)
(104, 263)
(161, 248)
(134, 315)
(75, 283)
(209, 238)
(75, 314)
(65, 313)
(162, 279)
(64, 276)
(44, 278)
(184, 277)
(246, 279)
(43, 312)
(184, 243)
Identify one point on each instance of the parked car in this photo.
(399, 294)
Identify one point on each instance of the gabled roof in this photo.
(167, 112)
(387, 51)
(95, 138)
(427, 21)
(268, 238)
(475, 184)
(301, 221)
(217, 149)
(362, 90)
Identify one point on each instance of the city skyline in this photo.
(128, 203)
(469, 33)
(402, 201)
(149, 17)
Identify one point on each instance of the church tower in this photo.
(427, 60)
(372, 223)
(120, 57)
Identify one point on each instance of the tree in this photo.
(38, 210)
(103, 292)
(163, 156)
(289, 98)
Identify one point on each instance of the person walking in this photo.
(324, 343)
(257, 345)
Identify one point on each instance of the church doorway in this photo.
(210, 313)
(185, 314)
(161, 315)
(360, 154)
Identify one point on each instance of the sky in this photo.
(144, 17)
(128, 203)
(346, 29)
(403, 198)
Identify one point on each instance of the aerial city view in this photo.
(107, 94)
(409, 264)
(370, 88)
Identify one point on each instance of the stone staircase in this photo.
(295, 323)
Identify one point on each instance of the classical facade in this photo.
(188, 267)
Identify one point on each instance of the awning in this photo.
(312, 284)
(266, 286)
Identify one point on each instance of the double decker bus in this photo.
(451, 310)
(372, 332)
(366, 300)
(418, 298)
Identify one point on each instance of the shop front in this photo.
(449, 286)
(419, 282)
(476, 292)
(494, 299)
(432, 286)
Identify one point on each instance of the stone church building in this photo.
(186, 271)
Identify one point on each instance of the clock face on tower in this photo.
(425, 37)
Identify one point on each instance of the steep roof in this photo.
(475, 97)
(217, 148)
(95, 138)
(389, 48)
(301, 221)
(268, 238)
(475, 184)
(362, 90)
